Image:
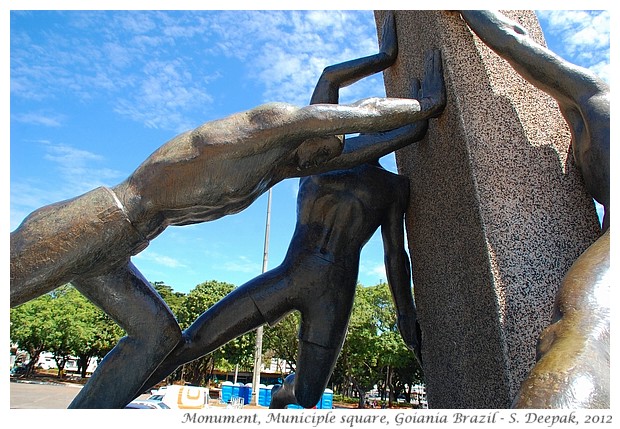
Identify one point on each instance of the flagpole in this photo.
(258, 350)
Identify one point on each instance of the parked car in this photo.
(182, 397)
(18, 370)
(147, 404)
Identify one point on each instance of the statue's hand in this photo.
(410, 331)
(418, 128)
(389, 41)
(416, 91)
(433, 86)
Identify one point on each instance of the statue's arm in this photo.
(564, 81)
(383, 139)
(365, 116)
(398, 271)
(367, 147)
(344, 74)
(376, 114)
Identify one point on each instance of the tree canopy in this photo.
(373, 355)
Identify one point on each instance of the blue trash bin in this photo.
(327, 400)
(245, 392)
(294, 406)
(227, 391)
(264, 395)
(236, 390)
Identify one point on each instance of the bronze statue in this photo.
(219, 168)
(572, 368)
(337, 213)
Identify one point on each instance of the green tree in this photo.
(172, 298)
(66, 324)
(406, 375)
(70, 324)
(282, 341)
(396, 362)
(31, 325)
(357, 363)
(374, 352)
(238, 351)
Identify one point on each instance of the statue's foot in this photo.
(283, 394)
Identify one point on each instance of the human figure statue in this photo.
(219, 168)
(337, 213)
(572, 363)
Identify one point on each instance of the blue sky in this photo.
(93, 93)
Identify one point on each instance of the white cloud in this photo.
(583, 37)
(241, 264)
(68, 156)
(373, 273)
(78, 166)
(161, 99)
(159, 259)
(136, 23)
(286, 51)
(108, 59)
(125, 56)
(117, 54)
(33, 118)
(78, 170)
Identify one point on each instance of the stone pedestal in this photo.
(498, 212)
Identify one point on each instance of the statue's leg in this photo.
(152, 333)
(324, 319)
(314, 367)
(231, 317)
(572, 368)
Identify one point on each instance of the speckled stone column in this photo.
(498, 212)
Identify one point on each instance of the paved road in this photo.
(42, 395)
(31, 395)
(37, 395)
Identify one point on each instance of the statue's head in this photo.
(317, 150)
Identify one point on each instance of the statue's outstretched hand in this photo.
(433, 86)
(389, 41)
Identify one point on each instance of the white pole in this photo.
(258, 351)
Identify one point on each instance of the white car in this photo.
(147, 404)
(182, 397)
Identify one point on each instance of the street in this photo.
(36, 395)
(30, 395)
(46, 395)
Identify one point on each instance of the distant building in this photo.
(272, 372)
(46, 361)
